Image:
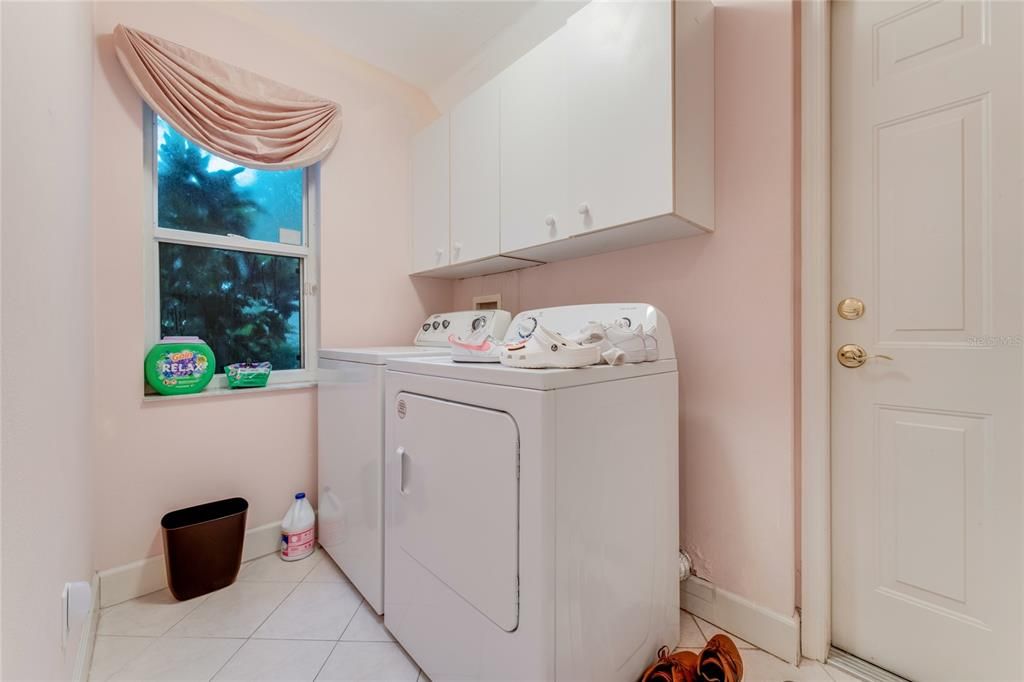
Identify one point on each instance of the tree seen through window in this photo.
(246, 305)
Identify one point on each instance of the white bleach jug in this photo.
(298, 530)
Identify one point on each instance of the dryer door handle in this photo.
(403, 460)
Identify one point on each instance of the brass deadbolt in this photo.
(850, 308)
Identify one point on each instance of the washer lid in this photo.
(537, 379)
(380, 355)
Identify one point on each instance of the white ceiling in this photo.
(422, 42)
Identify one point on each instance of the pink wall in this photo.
(730, 297)
(47, 416)
(154, 457)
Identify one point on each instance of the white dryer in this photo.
(532, 516)
(350, 464)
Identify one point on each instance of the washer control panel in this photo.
(436, 329)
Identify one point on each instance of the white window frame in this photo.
(308, 253)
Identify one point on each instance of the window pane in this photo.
(200, 192)
(245, 305)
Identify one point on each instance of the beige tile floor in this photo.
(303, 621)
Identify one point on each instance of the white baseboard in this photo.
(773, 632)
(261, 541)
(87, 641)
(148, 575)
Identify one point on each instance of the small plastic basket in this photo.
(247, 374)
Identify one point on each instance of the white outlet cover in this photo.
(76, 603)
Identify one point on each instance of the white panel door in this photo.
(475, 168)
(430, 196)
(534, 148)
(454, 501)
(926, 447)
(620, 112)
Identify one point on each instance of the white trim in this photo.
(87, 640)
(773, 632)
(859, 668)
(220, 392)
(815, 320)
(232, 242)
(148, 575)
(312, 208)
(150, 246)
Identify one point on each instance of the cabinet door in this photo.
(430, 196)
(534, 153)
(475, 168)
(620, 112)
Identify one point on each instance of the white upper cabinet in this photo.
(620, 112)
(600, 138)
(430, 198)
(534, 154)
(475, 171)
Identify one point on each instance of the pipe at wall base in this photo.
(685, 566)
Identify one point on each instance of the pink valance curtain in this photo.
(236, 114)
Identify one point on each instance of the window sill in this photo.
(222, 392)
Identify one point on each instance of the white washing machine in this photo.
(350, 466)
(532, 516)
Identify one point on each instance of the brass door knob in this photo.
(853, 356)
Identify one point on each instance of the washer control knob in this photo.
(436, 324)
(445, 323)
(426, 326)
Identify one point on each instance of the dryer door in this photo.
(456, 500)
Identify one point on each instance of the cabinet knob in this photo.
(550, 222)
(583, 208)
(439, 252)
(456, 249)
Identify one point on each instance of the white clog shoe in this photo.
(650, 344)
(618, 343)
(479, 347)
(547, 349)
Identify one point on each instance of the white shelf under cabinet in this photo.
(483, 266)
(590, 243)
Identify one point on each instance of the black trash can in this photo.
(203, 546)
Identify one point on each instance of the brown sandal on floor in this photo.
(678, 667)
(720, 661)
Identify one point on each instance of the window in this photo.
(232, 258)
